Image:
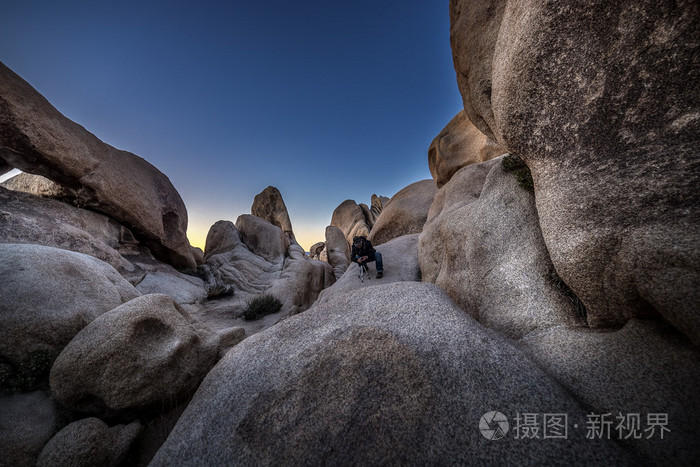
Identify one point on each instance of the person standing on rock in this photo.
(363, 253)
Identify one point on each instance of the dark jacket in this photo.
(365, 250)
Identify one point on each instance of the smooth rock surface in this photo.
(27, 422)
(181, 287)
(594, 97)
(395, 374)
(49, 295)
(459, 144)
(270, 206)
(89, 442)
(36, 138)
(337, 250)
(641, 369)
(146, 352)
(38, 186)
(405, 213)
(350, 218)
(489, 255)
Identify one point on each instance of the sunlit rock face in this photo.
(459, 144)
(36, 138)
(270, 206)
(594, 97)
(405, 213)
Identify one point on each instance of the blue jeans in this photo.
(378, 259)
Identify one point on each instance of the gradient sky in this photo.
(325, 100)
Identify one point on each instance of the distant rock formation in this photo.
(405, 213)
(270, 206)
(254, 257)
(316, 249)
(357, 219)
(611, 136)
(36, 138)
(459, 144)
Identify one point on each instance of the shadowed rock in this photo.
(146, 352)
(36, 138)
(392, 374)
(337, 250)
(49, 295)
(27, 422)
(594, 97)
(89, 442)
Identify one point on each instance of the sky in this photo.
(325, 100)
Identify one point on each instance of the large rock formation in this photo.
(146, 352)
(337, 250)
(29, 219)
(49, 295)
(459, 144)
(255, 257)
(350, 219)
(641, 370)
(36, 138)
(594, 96)
(405, 213)
(270, 206)
(368, 379)
(89, 442)
(489, 255)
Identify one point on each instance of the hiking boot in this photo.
(380, 274)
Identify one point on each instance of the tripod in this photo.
(364, 269)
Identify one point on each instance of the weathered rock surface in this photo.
(391, 374)
(459, 144)
(316, 249)
(641, 369)
(405, 213)
(89, 442)
(38, 186)
(148, 351)
(36, 138)
(350, 218)
(594, 97)
(181, 287)
(262, 238)
(29, 219)
(49, 295)
(489, 255)
(27, 422)
(400, 257)
(337, 250)
(270, 206)
(255, 257)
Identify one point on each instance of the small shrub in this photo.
(516, 166)
(219, 291)
(260, 306)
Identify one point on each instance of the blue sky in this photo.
(325, 100)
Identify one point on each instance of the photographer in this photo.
(363, 253)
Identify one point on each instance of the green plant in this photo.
(515, 165)
(30, 374)
(260, 306)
